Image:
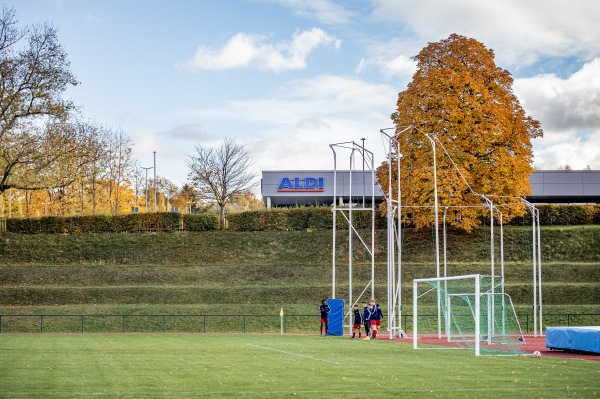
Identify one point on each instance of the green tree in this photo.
(467, 106)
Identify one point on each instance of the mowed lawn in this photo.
(272, 366)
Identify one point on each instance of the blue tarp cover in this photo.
(336, 317)
(574, 338)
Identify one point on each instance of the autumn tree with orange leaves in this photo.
(483, 137)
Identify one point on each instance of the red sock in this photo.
(374, 334)
(358, 335)
(353, 335)
(321, 329)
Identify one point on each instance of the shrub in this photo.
(200, 222)
(319, 218)
(165, 221)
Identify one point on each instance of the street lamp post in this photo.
(150, 167)
(154, 181)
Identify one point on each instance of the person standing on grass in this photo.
(365, 320)
(380, 314)
(375, 319)
(358, 322)
(324, 309)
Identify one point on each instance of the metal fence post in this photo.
(244, 324)
(164, 324)
(41, 324)
(123, 324)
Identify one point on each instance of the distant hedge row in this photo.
(322, 218)
(318, 218)
(557, 215)
(165, 221)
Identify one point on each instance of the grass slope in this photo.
(269, 366)
(260, 272)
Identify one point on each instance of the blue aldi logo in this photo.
(298, 185)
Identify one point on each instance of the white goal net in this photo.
(468, 312)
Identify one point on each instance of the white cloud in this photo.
(293, 128)
(568, 148)
(573, 102)
(245, 51)
(520, 32)
(186, 131)
(569, 110)
(400, 66)
(324, 11)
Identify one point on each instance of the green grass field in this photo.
(272, 366)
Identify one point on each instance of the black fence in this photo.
(218, 323)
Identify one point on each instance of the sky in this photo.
(287, 78)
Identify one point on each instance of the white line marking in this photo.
(293, 354)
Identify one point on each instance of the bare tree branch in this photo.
(219, 174)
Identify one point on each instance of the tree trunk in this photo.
(222, 215)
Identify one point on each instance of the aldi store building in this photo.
(316, 187)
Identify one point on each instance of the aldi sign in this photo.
(301, 185)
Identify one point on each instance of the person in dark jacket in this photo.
(324, 309)
(368, 317)
(375, 319)
(365, 321)
(358, 322)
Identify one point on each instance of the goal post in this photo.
(473, 311)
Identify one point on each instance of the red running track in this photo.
(538, 343)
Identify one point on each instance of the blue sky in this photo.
(290, 77)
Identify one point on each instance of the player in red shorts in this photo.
(358, 322)
(380, 313)
(324, 309)
(375, 319)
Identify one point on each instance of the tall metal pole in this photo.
(446, 272)
(334, 210)
(437, 228)
(399, 240)
(372, 215)
(154, 181)
(363, 170)
(534, 244)
(350, 233)
(150, 167)
(539, 248)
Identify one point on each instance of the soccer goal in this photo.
(475, 314)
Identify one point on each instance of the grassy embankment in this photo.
(260, 272)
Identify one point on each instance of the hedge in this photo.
(95, 223)
(200, 222)
(560, 215)
(316, 218)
